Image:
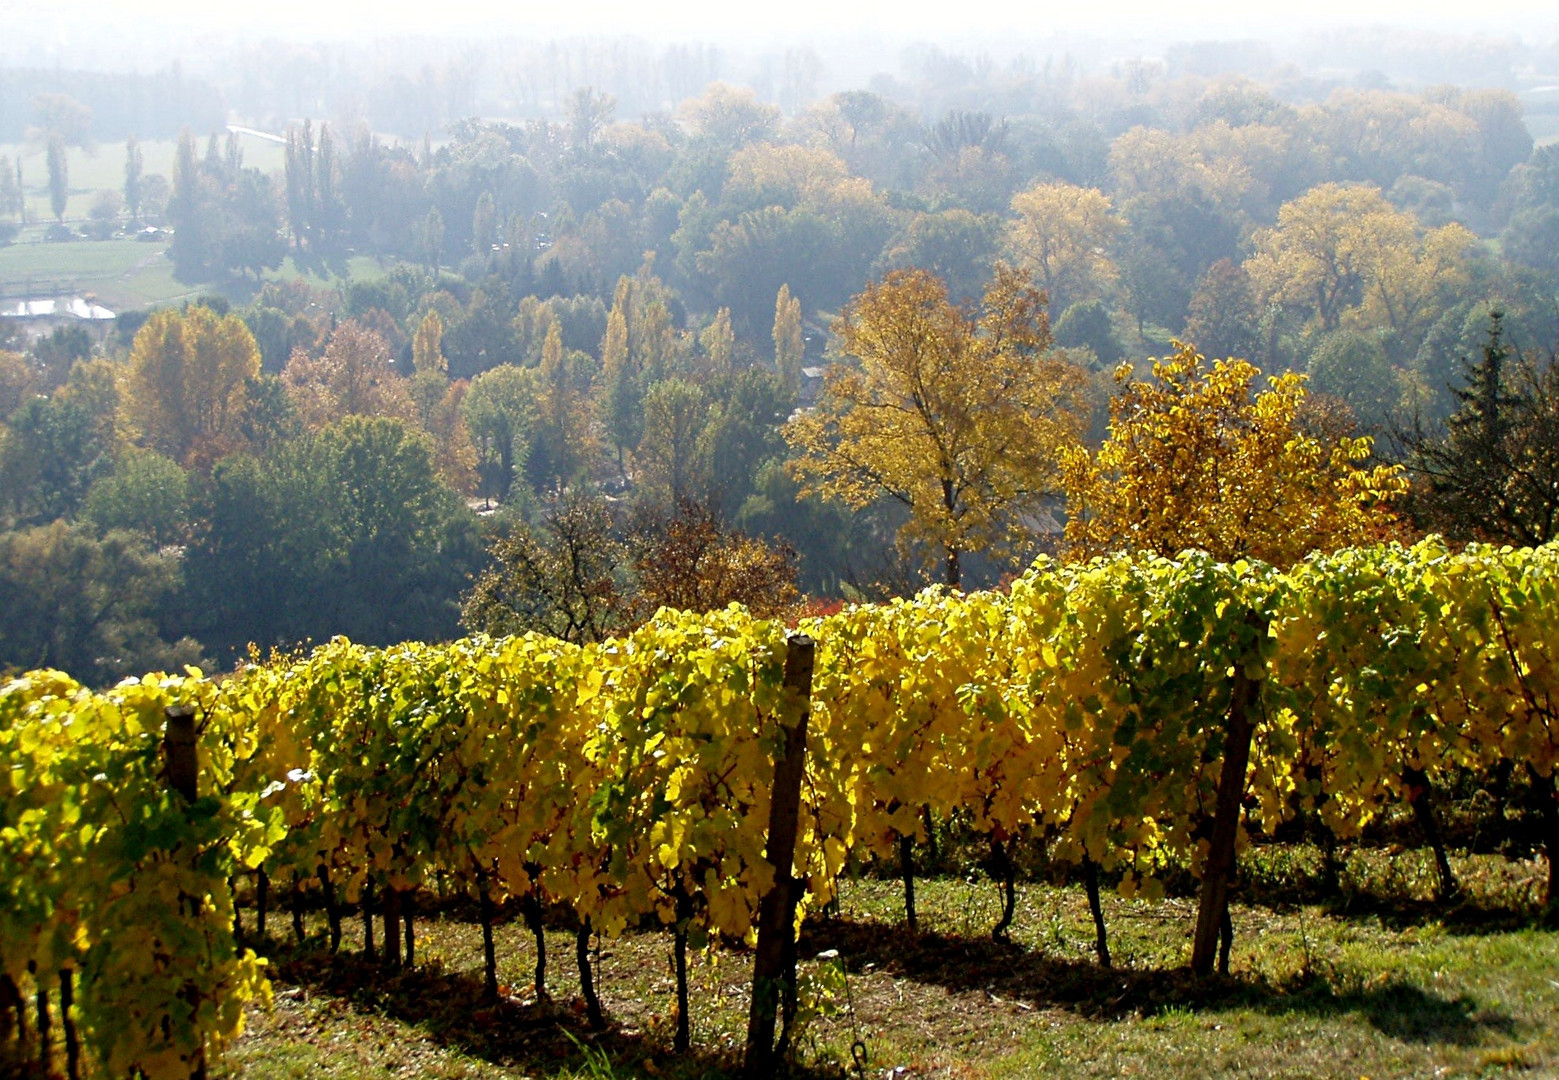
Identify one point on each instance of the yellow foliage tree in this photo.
(566, 437)
(427, 345)
(1195, 459)
(789, 344)
(185, 386)
(719, 342)
(957, 414)
(1341, 252)
(355, 376)
(1062, 236)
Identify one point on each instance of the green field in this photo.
(126, 274)
(121, 274)
(92, 171)
(357, 268)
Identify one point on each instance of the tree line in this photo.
(595, 348)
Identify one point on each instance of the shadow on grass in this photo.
(959, 964)
(1466, 917)
(540, 1039)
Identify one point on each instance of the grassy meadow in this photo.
(1378, 984)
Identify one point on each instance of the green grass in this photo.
(122, 274)
(1381, 986)
(330, 274)
(89, 172)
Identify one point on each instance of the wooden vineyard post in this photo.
(1219, 868)
(179, 751)
(182, 764)
(774, 961)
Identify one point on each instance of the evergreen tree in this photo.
(1493, 474)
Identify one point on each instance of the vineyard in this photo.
(1141, 721)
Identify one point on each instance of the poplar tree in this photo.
(59, 176)
(133, 171)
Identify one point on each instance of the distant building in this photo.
(38, 318)
(811, 385)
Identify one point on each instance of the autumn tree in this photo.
(18, 382)
(1062, 236)
(691, 561)
(674, 415)
(1341, 252)
(563, 577)
(354, 376)
(789, 345)
(1198, 458)
(564, 441)
(621, 400)
(1223, 316)
(500, 414)
(955, 413)
(430, 371)
(186, 385)
(13, 200)
(719, 342)
(437, 400)
(728, 117)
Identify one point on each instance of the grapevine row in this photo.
(1092, 708)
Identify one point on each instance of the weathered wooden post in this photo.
(178, 746)
(774, 961)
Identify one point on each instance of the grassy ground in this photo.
(329, 273)
(89, 172)
(1380, 985)
(122, 274)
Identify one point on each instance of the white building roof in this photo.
(54, 309)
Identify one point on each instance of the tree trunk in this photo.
(1420, 796)
(12, 1015)
(368, 918)
(683, 1039)
(262, 896)
(41, 1004)
(332, 912)
(933, 852)
(1101, 940)
(297, 907)
(1548, 812)
(392, 928)
(1219, 868)
(68, 1024)
(238, 921)
(1331, 867)
(408, 931)
(1225, 940)
(489, 951)
(774, 960)
(1006, 877)
(593, 1012)
(907, 870)
(532, 908)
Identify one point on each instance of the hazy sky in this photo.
(729, 19)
